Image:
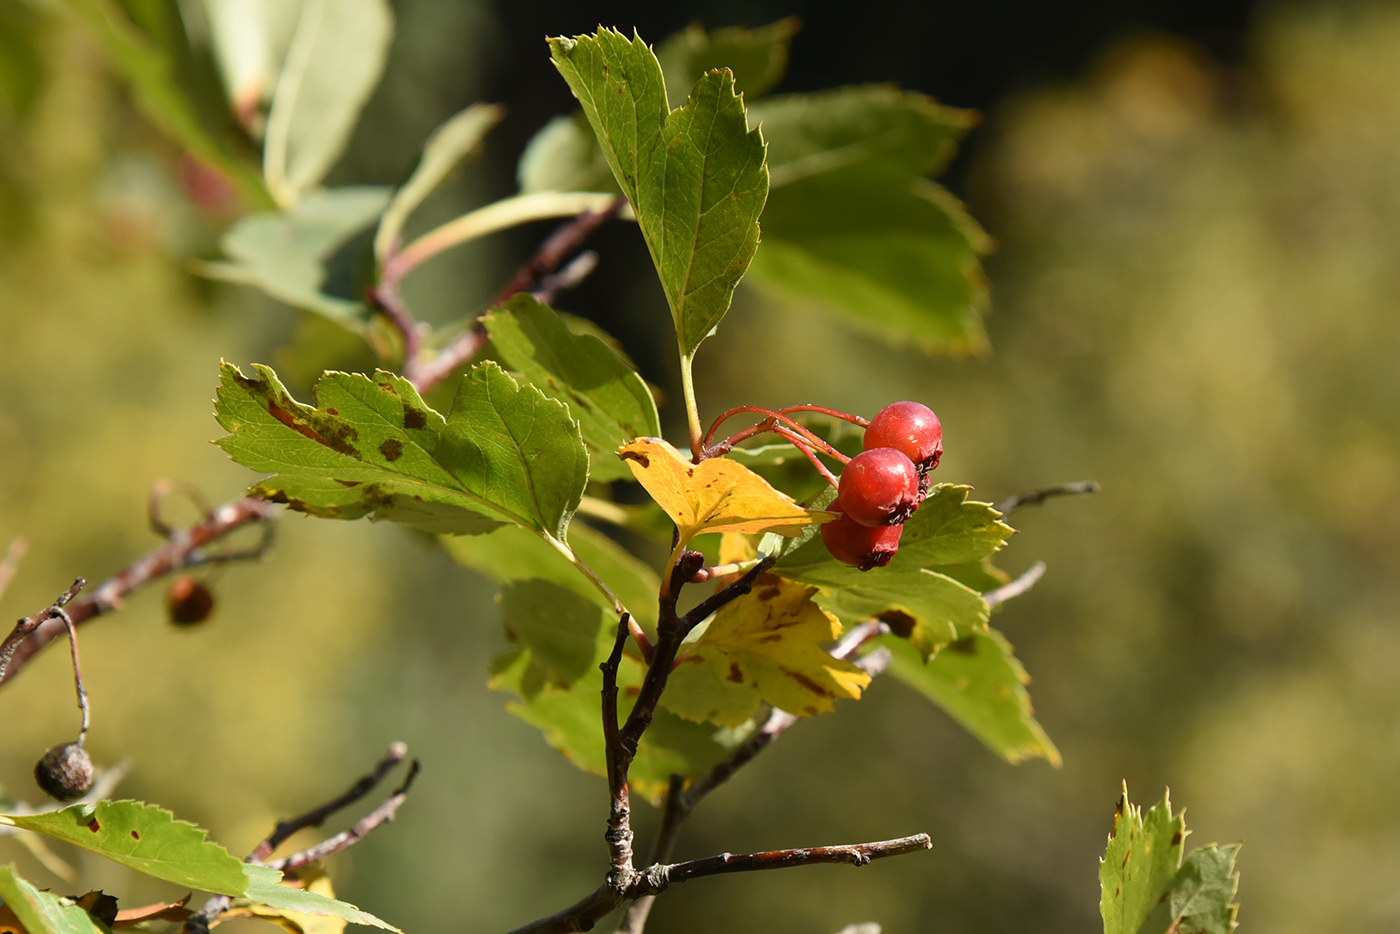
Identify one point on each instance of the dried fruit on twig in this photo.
(189, 601)
(65, 772)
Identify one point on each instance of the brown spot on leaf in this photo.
(334, 435)
(964, 646)
(1176, 838)
(414, 418)
(392, 449)
(332, 411)
(349, 483)
(771, 637)
(900, 622)
(135, 835)
(768, 593)
(635, 456)
(94, 826)
(806, 682)
(388, 387)
(735, 673)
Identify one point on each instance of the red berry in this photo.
(189, 601)
(908, 427)
(861, 546)
(879, 487)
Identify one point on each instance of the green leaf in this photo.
(42, 913)
(695, 176)
(610, 400)
(154, 77)
(504, 453)
(564, 156)
(511, 553)
(262, 889)
(571, 721)
(757, 57)
(250, 39)
(286, 254)
(980, 684)
(1139, 864)
(143, 837)
(557, 626)
(333, 64)
(853, 225)
(1201, 900)
(947, 529)
(460, 137)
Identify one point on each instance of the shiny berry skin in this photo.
(861, 546)
(189, 601)
(879, 487)
(908, 427)
(65, 772)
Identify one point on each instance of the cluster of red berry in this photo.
(878, 490)
(882, 486)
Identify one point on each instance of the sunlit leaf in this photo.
(980, 684)
(716, 495)
(335, 60)
(695, 176)
(40, 912)
(607, 396)
(757, 57)
(263, 889)
(505, 453)
(460, 137)
(852, 223)
(947, 528)
(143, 837)
(1142, 858)
(765, 646)
(291, 255)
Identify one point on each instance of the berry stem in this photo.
(783, 432)
(769, 424)
(823, 410)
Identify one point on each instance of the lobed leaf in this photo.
(460, 137)
(757, 57)
(1142, 858)
(979, 683)
(556, 627)
(695, 176)
(852, 224)
(312, 880)
(263, 889)
(39, 912)
(948, 529)
(715, 495)
(610, 400)
(336, 57)
(1201, 899)
(505, 453)
(290, 255)
(143, 837)
(765, 646)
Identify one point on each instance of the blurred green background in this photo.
(1195, 296)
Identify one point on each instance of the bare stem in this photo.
(1032, 497)
(348, 838)
(1017, 587)
(77, 673)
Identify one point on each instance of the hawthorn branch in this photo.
(383, 814)
(619, 832)
(1040, 495)
(183, 549)
(1016, 587)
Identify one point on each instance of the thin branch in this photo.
(183, 549)
(619, 832)
(77, 672)
(348, 838)
(1017, 587)
(570, 277)
(386, 298)
(558, 247)
(10, 656)
(433, 371)
(1033, 497)
(317, 816)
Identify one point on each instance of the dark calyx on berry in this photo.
(879, 487)
(189, 601)
(910, 428)
(861, 546)
(65, 772)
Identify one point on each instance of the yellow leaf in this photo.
(735, 548)
(716, 495)
(764, 646)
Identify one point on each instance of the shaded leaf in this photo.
(286, 254)
(1139, 864)
(154, 78)
(853, 225)
(695, 176)
(504, 453)
(571, 722)
(757, 57)
(461, 136)
(263, 889)
(557, 626)
(512, 553)
(336, 57)
(716, 495)
(143, 837)
(1201, 900)
(607, 396)
(250, 40)
(564, 156)
(764, 646)
(980, 684)
(40, 912)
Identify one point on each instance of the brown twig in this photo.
(26, 628)
(1017, 587)
(656, 879)
(1032, 497)
(570, 277)
(183, 549)
(348, 838)
(619, 832)
(385, 297)
(559, 246)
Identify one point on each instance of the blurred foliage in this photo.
(1195, 297)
